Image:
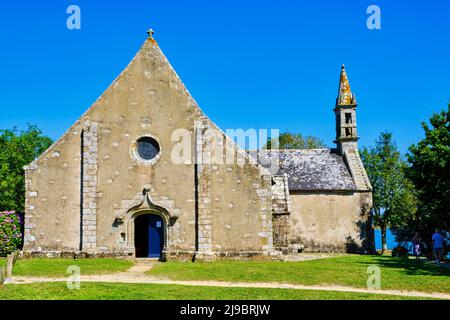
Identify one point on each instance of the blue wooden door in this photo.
(155, 236)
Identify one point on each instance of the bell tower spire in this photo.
(345, 111)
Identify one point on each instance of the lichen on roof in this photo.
(311, 169)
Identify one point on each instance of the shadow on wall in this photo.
(351, 246)
(366, 235)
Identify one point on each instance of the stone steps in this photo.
(357, 169)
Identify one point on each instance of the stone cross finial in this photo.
(146, 190)
(150, 33)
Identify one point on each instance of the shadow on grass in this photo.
(408, 266)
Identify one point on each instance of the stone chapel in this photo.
(120, 181)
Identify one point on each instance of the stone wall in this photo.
(237, 194)
(83, 194)
(83, 191)
(52, 196)
(331, 221)
(204, 136)
(89, 145)
(281, 209)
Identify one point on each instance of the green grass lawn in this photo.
(117, 291)
(348, 270)
(42, 267)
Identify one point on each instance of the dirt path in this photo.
(136, 274)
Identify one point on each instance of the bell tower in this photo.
(345, 111)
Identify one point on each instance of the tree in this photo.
(18, 149)
(393, 194)
(430, 172)
(289, 140)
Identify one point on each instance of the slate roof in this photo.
(311, 169)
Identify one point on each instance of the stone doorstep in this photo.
(143, 264)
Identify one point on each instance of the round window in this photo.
(147, 148)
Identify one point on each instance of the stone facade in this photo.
(331, 221)
(85, 193)
(89, 145)
(334, 214)
(328, 190)
(281, 209)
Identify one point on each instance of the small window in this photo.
(147, 148)
(348, 132)
(348, 118)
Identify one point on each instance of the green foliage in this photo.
(394, 200)
(10, 232)
(289, 140)
(430, 173)
(17, 149)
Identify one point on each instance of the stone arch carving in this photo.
(147, 199)
(144, 203)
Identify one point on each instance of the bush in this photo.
(400, 252)
(10, 232)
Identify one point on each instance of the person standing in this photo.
(438, 245)
(417, 243)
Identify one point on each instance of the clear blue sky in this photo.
(249, 64)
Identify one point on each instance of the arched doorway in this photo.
(149, 235)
